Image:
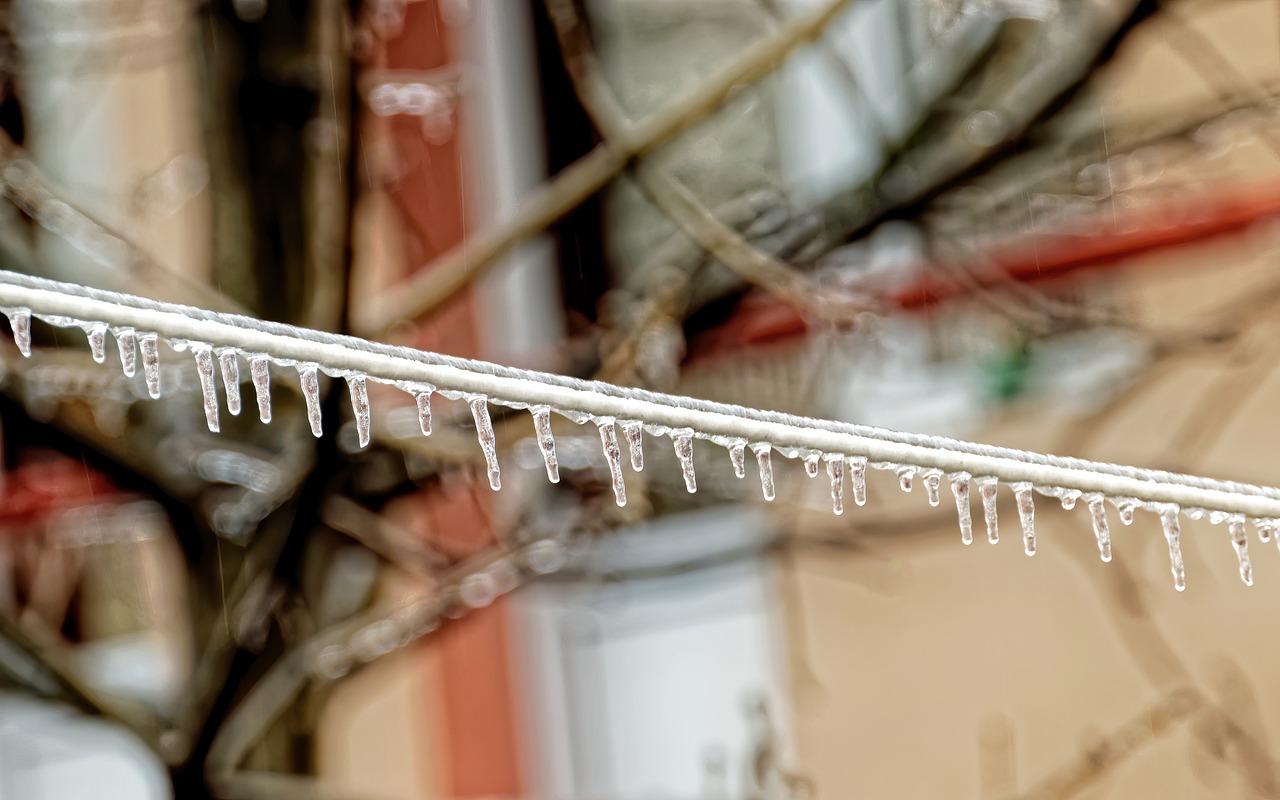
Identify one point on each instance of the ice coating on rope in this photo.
(987, 489)
(684, 452)
(546, 441)
(960, 488)
(858, 477)
(1027, 515)
(835, 470)
(423, 399)
(1240, 541)
(634, 432)
(488, 442)
(811, 465)
(309, 377)
(127, 342)
(20, 321)
(359, 387)
(1101, 530)
(97, 335)
(149, 346)
(613, 455)
(230, 364)
(208, 389)
(260, 372)
(1173, 535)
(764, 460)
(932, 480)
(906, 476)
(738, 457)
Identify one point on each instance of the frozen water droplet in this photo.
(260, 372)
(932, 480)
(1264, 530)
(613, 455)
(684, 452)
(477, 590)
(149, 346)
(1240, 541)
(127, 343)
(1173, 535)
(546, 441)
(359, 387)
(544, 556)
(20, 321)
(230, 364)
(309, 377)
(1027, 515)
(835, 470)
(987, 488)
(634, 431)
(738, 456)
(97, 334)
(764, 461)
(960, 488)
(811, 465)
(858, 477)
(208, 389)
(1126, 509)
(488, 442)
(423, 399)
(906, 477)
(1218, 517)
(1101, 531)
(1069, 498)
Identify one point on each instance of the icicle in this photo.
(906, 475)
(423, 399)
(20, 321)
(858, 477)
(737, 456)
(1027, 515)
(149, 346)
(634, 431)
(932, 480)
(987, 488)
(260, 372)
(684, 452)
(359, 387)
(1173, 535)
(811, 465)
(204, 366)
(1240, 541)
(127, 342)
(97, 335)
(765, 461)
(230, 364)
(960, 488)
(613, 455)
(310, 379)
(488, 442)
(1101, 531)
(547, 441)
(1069, 498)
(835, 470)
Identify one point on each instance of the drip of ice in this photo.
(127, 342)
(634, 431)
(1126, 508)
(1240, 541)
(1101, 531)
(260, 372)
(1264, 531)
(737, 456)
(149, 346)
(230, 364)
(1069, 498)
(1027, 515)
(20, 321)
(488, 442)
(932, 480)
(764, 460)
(613, 455)
(835, 470)
(811, 465)
(310, 379)
(97, 334)
(684, 452)
(1173, 535)
(359, 386)
(906, 477)
(987, 488)
(960, 488)
(204, 366)
(546, 441)
(858, 477)
(423, 399)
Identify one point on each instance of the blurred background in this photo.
(1045, 224)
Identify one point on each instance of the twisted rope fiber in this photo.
(396, 364)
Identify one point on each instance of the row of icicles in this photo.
(129, 343)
